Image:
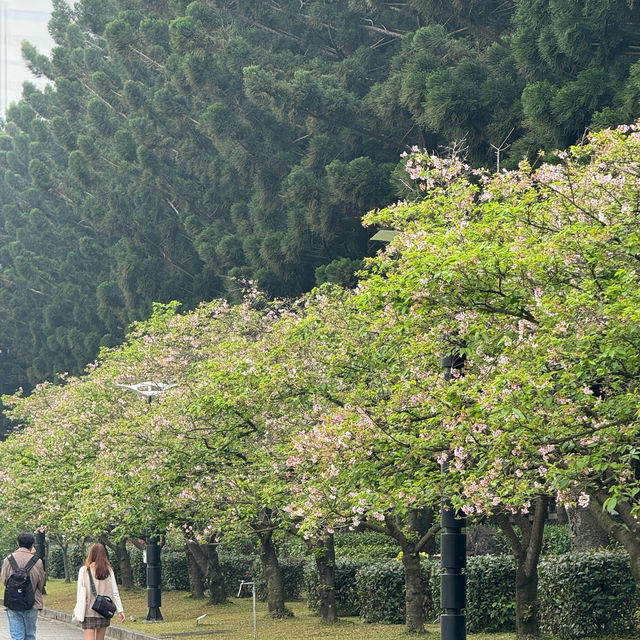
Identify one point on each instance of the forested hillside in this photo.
(183, 145)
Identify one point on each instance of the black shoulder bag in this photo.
(103, 605)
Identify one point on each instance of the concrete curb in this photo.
(113, 632)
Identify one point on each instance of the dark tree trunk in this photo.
(424, 521)
(562, 516)
(625, 529)
(206, 557)
(124, 560)
(526, 550)
(119, 548)
(273, 575)
(65, 561)
(586, 532)
(196, 577)
(526, 600)
(415, 595)
(413, 538)
(64, 545)
(325, 557)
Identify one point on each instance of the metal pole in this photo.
(453, 554)
(41, 552)
(253, 598)
(154, 569)
(255, 623)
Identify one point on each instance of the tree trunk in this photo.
(585, 530)
(526, 600)
(124, 562)
(415, 596)
(273, 575)
(196, 577)
(625, 528)
(126, 572)
(526, 550)
(325, 557)
(413, 537)
(65, 561)
(206, 557)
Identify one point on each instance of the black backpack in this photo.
(18, 593)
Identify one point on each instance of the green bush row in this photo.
(587, 594)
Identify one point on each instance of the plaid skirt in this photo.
(95, 622)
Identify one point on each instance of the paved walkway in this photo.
(47, 629)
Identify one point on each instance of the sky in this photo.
(20, 20)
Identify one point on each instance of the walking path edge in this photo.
(113, 632)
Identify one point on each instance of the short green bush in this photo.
(360, 545)
(55, 562)
(556, 539)
(491, 603)
(381, 591)
(175, 570)
(138, 567)
(236, 569)
(587, 594)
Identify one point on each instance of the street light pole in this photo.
(41, 552)
(147, 390)
(453, 552)
(154, 582)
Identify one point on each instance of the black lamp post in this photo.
(41, 551)
(453, 553)
(154, 579)
(154, 564)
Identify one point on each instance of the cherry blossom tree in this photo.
(531, 276)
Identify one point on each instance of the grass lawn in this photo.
(236, 619)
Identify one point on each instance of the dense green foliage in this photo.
(185, 144)
(587, 594)
(491, 604)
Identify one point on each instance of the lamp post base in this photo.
(154, 614)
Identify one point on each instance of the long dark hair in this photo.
(98, 557)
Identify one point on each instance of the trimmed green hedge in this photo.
(237, 568)
(381, 590)
(491, 605)
(364, 545)
(587, 594)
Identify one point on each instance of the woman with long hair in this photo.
(94, 624)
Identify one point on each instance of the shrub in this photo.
(587, 594)
(138, 567)
(236, 568)
(556, 539)
(347, 601)
(175, 570)
(491, 603)
(55, 562)
(359, 545)
(381, 590)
